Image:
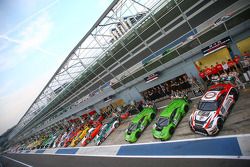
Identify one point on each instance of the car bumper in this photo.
(130, 138)
(205, 131)
(161, 135)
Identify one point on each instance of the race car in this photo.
(51, 140)
(80, 135)
(61, 141)
(70, 136)
(91, 134)
(37, 144)
(213, 108)
(106, 130)
(57, 140)
(169, 118)
(139, 123)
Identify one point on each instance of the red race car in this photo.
(213, 109)
(91, 134)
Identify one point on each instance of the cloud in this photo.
(35, 33)
(14, 105)
(29, 18)
(31, 37)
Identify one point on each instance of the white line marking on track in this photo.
(17, 161)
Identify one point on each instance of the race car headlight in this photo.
(211, 124)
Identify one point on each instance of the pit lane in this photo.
(238, 122)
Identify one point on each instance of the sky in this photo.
(35, 37)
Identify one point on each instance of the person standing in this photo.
(225, 67)
(219, 68)
(231, 65)
(237, 62)
(214, 70)
(202, 75)
(208, 72)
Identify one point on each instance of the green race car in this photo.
(169, 118)
(139, 123)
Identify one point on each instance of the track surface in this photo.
(66, 161)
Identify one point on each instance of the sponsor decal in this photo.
(152, 77)
(210, 95)
(216, 45)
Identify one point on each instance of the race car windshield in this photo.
(162, 121)
(132, 127)
(207, 106)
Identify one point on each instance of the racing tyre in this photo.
(171, 130)
(87, 141)
(102, 140)
(137, 135)
(152, 116)
(116, 125)
(235, 94)
(219, 124)
(186, 108)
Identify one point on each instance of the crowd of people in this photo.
(182, 85)
(177, 86)
(233, 67)
(219, 68)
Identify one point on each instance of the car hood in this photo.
(203, 116)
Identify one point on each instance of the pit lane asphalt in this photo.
(80, 161)
(238, 122)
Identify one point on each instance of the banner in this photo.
(216, 46)
(152, 77)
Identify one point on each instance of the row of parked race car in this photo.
(212, 110)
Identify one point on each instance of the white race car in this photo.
(213, 109)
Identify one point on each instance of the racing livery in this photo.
(106, 130)
(80, 135)
(52, 137)
(213, 108)
(139, 123)
(91, 134)
(169, 118)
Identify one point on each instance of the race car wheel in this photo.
(219, 124)
(235, 94)
(102, 140)
(152, 116)
(186, 108)
(171, 130)
(87, 141)
(137, 135)
(116, 125)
